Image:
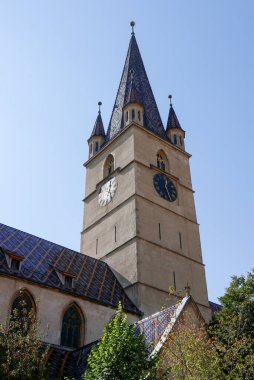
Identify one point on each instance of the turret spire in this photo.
(172, 118)
(139, 81)
(174, 130)
(98, 129)
(97, 137)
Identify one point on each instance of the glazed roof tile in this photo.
(42, 259)
(134, 69)
(154, 326)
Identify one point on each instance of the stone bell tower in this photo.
(139, 209)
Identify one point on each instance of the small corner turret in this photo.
(133, 110)
(174, 131)
(97, 138)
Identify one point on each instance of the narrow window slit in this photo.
(174, 277)
(180, 239)
(96, 247)
(159, 231)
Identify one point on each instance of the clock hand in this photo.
(166, 187)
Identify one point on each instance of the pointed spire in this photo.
(98, 129)
(172, 118)
(140, 82)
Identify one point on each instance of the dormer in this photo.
(133, 110)
(13, 260)
(174, 131)
(67, 279)
(97, 137)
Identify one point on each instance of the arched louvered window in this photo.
(72, 327)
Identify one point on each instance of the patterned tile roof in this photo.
(154, 326)
(172, 120)
(98, 129)
(71, 364)
(134, 67)
(93, 279)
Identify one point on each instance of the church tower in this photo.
(139, 210)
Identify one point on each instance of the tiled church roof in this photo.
(134, 69)
(93, 279)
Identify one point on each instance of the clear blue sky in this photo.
(59, 58)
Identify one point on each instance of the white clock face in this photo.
(107, 192)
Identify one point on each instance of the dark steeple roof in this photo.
(172, 119)
(98, 129)
(152, 119)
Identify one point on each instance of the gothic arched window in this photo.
(109, 165)
(23, 309)
(162, 161)
(72, 327)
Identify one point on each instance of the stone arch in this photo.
(109, 165)
(73, 326)
(162, 161)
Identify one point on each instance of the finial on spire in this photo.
(170, 100)
(99, 104)
(187, 290)
(132, 24)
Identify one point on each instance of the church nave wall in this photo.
(50, 307)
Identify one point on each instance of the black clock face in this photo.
(165, 187)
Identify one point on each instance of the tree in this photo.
(188, 353)
(22, 353)
(121, 354)
(232, 329)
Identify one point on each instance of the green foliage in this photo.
(22, 354)
(121, 354)
(189, 354)
(232, 329)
